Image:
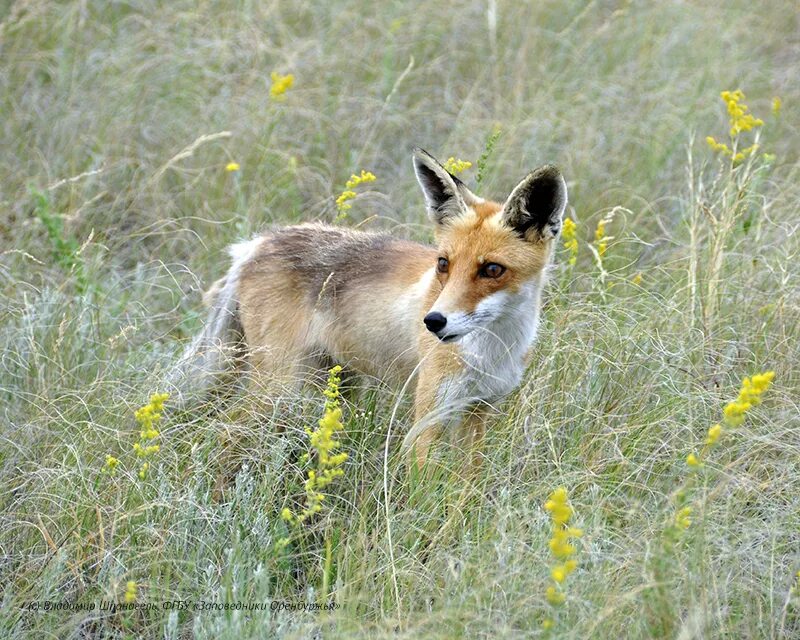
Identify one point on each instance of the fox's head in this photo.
(491, 255)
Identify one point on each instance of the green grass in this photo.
(108, 234)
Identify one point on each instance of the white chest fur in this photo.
(495, 355)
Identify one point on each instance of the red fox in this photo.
(462, 316)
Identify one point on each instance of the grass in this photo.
(118, 120)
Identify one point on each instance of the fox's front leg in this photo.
(427, 427)
(442, 402)
(473, 430)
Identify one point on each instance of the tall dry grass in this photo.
(118, 120)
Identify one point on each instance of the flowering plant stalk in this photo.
(343, 204)
(733, 415)
(323, 446)
(561, 548)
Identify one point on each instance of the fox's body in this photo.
(461, 316)
(314, 290)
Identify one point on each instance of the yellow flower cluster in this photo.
(734, 412)
(342, 203)
(323, 444)
(749, 396)
(683, 518)
(733, 415)
(561, 547)
(723, 148)
(150, 414)
(111, 464)
(148, 418)
(737, 110)
(232, 166)
(720, 147)
(280, 85)
(355, 180)
(570, 239)
(130, 591)
(600, 238)
(740, 121)
(456, 166)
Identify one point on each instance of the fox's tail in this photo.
(216, 354)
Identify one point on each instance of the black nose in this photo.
(435, 321)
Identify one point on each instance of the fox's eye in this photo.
(442, 265)
(492, 270)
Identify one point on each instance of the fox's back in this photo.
(353, 295)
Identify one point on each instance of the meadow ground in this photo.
(119, 122)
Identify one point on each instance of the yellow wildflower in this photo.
(693, 461)
(683, 519)
(342, 202)
(741, 155)
(111, 463)
(560, 572)
(637, 279)
(570, 239)
(456, 166)
(232, 166)
(130, 591)
(560, 512)
(600, 237)
(713, 435)
(323, 444)
(149, 414)
(718, 146)
(148, 417)
(750, 393)
(354, 181)
(280, 85)
(753, 388)
(734, 412)
(547, 623)
(554, 596)
(740, 120)
(749, 396)
(776, 105)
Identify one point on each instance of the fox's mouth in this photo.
(450, 337)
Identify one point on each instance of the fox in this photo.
(457, 320)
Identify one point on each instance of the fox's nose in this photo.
(435, 321)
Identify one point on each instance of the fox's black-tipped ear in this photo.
(536, 205)
(446, 196)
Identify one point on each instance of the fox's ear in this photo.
(446, 196)
(536, 205)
